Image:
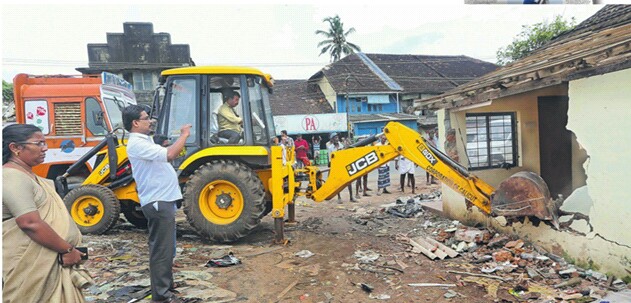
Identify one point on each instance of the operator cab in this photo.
(194, 95)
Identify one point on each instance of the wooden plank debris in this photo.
(287, 289)
(431, 285)
(479, 275)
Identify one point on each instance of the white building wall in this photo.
(600, 116)
(329, 92)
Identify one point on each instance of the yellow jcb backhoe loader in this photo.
(228, 188)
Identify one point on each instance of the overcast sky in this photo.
(274, 37)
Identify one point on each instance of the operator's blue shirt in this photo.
(156, 179)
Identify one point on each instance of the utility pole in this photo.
(348, 121)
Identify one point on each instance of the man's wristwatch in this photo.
(67, 251)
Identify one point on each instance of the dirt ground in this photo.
(333, 232)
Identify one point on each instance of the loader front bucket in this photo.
(524, 194)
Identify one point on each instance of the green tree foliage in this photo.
(533, 37)
(7, 92)
(335, 42)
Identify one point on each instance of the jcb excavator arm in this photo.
(350, 164)
(524, 194)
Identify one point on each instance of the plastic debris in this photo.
(380, 297)
(450, 294)
(225, 261)
(366, 256)
(304, 254)
(366, 287)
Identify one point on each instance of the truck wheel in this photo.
(224, 200)
(94, 208)
(134, 214)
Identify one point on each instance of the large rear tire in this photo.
(224, 200)
(94, 208)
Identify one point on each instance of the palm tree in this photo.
(335, 42)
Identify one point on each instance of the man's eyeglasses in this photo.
(145, 118)
(38, 143)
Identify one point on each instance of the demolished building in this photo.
(561, 112)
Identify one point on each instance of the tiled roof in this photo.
(431, 74)
(598, 45)
(413, 73)
(298, 97)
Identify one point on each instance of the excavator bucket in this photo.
(524, 194)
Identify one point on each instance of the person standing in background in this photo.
(302, 146)
(405, 167)
(384, 172)
(315, 144)
(333, 145)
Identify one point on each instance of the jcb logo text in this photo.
(104, 169)
(361, 163)
(429, 156)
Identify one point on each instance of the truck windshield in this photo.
(114, 112)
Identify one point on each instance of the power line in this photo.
(415, 60)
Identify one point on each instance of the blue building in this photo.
(374, 89)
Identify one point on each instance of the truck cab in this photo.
(73, 112)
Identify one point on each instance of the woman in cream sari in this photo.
(39, 260)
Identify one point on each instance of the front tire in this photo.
(224, 200)
(94, 208)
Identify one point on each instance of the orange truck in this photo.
(74, 113)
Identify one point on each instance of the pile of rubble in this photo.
(408, 207)
(526, 271)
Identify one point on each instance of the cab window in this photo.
(257, 100)
(182, 108)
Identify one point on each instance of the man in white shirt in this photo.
(334, 144)
(159, 191)
(405, 167)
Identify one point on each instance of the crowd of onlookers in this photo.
(307, 154)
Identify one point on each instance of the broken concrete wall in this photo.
(598, 109)
(599, 115)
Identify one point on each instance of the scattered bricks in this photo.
(443, 235)
(498, 241)
(473, 235)
(514, 244)
(502, 256)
